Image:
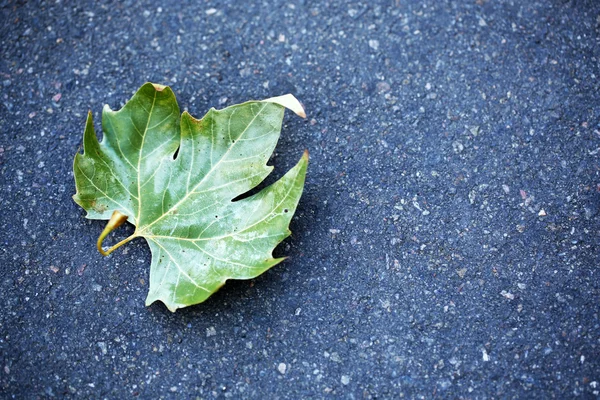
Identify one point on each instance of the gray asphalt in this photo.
(447, 243)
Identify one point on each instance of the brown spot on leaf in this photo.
(98, 207)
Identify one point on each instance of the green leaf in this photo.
(174, 177)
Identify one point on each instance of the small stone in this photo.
(173, 389)
(335, 357)
(211, 331)
(461, 272)
(523, 194)
(334, 231)
(56, 97)
(383, 87)
(281, 368)
(472, 196)
(374, 44)
(457, 146)
(508, 295)
(345, 380)
(211, 11)
(54, 269)
(542, 213)
(102, 347)
(506, 189)
(484, 355)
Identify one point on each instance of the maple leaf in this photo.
(175, 178)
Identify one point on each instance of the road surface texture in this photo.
(447, 244)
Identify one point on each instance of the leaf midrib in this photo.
(139, 180)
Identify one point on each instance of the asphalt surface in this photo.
(447, 243)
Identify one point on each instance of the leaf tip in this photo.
(301, 113)
(159, 87)
(189, 117)
(277, 260)
(290, 102)
(149, 301)
(89, 121)
(170, 306)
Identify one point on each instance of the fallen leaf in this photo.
(175, 177)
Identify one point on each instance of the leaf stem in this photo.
(117, 219)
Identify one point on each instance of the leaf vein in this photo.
(103, 192)
(140, 158)
(180, 269)
(161, 121)
(117, 178)
(223, 260)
